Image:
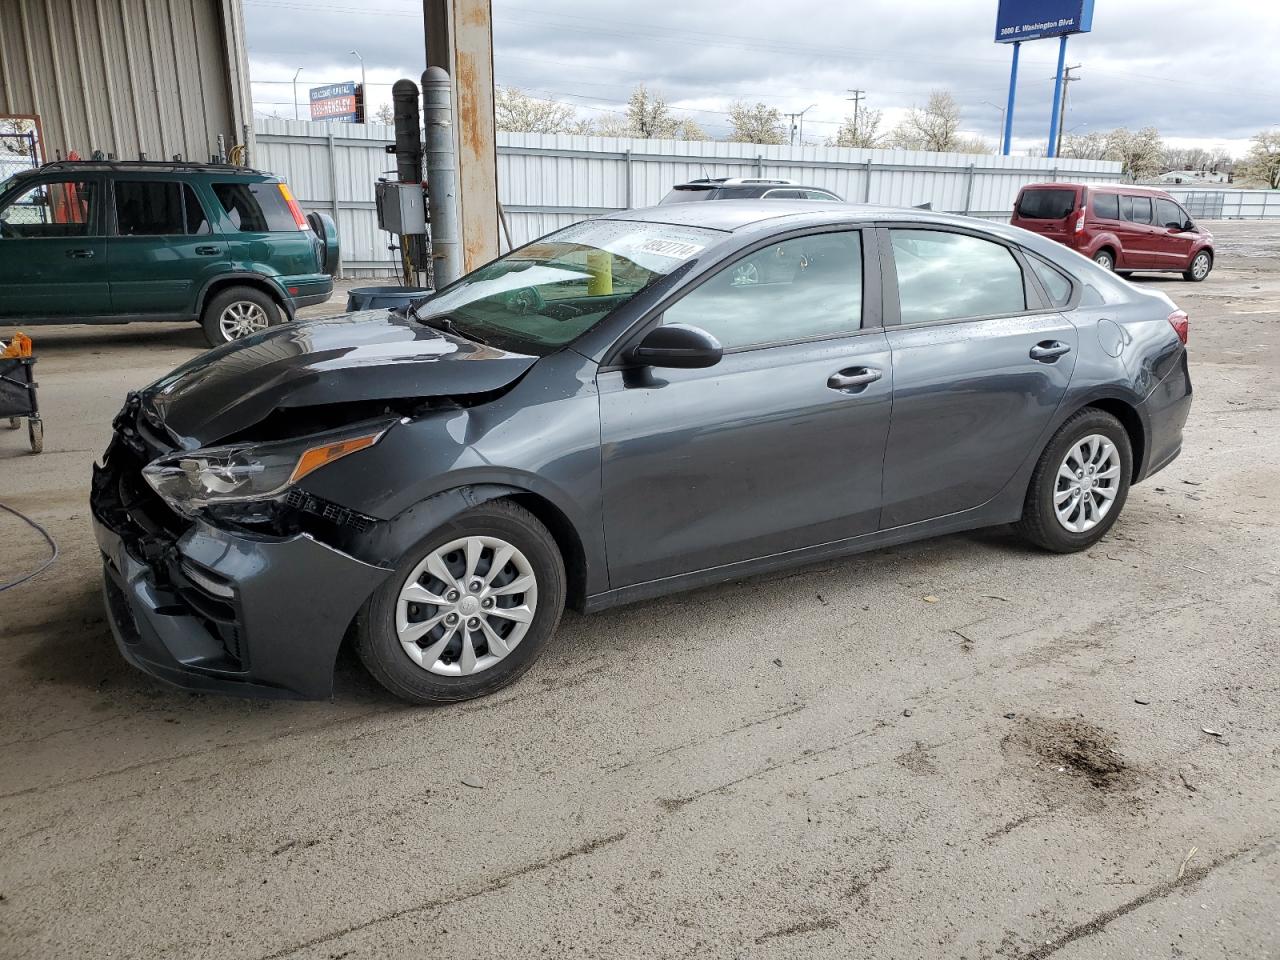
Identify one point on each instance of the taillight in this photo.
(296, 210)
(1079, 228)
(1180, 323)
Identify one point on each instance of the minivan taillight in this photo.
(1180, 323)
(1079, 227)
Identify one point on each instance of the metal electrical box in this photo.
(401, 209)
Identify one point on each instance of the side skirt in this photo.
(992, 513)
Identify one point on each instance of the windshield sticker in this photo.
(672, 249)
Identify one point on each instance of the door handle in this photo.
(1047, 351)
(80, 254)
(854, 378)
(207, 251)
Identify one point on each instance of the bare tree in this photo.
(860, 130)
(755, 123)
(517, 112)
(649, 116)
(1086, 146)
(936, 127)
(1262, 163)
(1138, 153)
(688, 129)
(966, 144)
(384, 114)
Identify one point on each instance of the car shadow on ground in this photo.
(100, 339)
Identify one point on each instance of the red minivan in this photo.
(1122, 228)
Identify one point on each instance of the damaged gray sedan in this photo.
(636, 405)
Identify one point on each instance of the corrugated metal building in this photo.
(127, 77)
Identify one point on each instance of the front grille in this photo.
(327, 510)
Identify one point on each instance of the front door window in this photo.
(63, 208)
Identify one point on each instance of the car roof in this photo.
(132, 167)
(735, 214)
(731, 216)
(1098, 188)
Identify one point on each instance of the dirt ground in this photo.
(818, 764)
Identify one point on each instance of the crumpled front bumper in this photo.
(224, 612)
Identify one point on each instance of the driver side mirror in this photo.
(677, 345)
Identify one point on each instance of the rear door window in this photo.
(1046, 204)
(255, 207)
(158, 208)
(1106, 206)
(1141, 210)
(951, 276)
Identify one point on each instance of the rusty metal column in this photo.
(460, 41)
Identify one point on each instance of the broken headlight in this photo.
(192, 479)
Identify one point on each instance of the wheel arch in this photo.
(393, 538)
(1110, 245)
(253, 280)
(1127, 413)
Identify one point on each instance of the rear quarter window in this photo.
(1106, 206)
(1056, 284)
(255, 207)
(1046, 204)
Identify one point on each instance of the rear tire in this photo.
(430, 667)
(1201, 265)
(1049, 494)
(35, 435)
(1106, 260)
(238, 312)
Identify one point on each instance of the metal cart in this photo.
(18, 398)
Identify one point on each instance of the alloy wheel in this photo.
(466, 606)
(242, 318)
(1200, 266)
(1087, 483)
(744, 274)
(1105, 261)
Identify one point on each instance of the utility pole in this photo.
(364, 89)
(857, 98)
(1067, 80)
(295, 95)
(792, 117)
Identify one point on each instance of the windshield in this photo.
(548, 293)
(1046, 204)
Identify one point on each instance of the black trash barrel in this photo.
(376, 298)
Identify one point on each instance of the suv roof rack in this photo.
(738, 181)
(190, 165)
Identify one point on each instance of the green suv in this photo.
(114, 242)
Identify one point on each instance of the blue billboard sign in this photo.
(1018, 20)
(341, 102)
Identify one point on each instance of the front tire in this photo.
(1079, 485)
(237, 312)
(468, 609)
(1201, 264)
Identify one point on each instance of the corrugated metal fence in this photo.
(548, 181)
(1228, 204)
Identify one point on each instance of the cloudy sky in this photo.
(1202, 71)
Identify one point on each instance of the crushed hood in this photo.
(370, 355)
